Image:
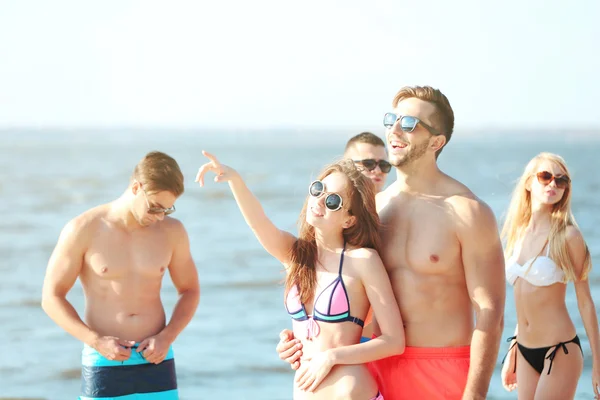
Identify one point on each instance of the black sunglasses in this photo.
(370, 164)
(157, 210)
(545, 178)
(333, 201)
(407, 123)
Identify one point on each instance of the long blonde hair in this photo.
(519, 216)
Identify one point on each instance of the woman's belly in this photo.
(542, 314)
(351, 382)
(344, 382)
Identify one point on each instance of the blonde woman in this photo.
(544, 251)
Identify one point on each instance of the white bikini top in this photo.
(543, 271)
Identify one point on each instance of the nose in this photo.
(374, 171)
(160, 216)
(397, 127)
(321, 200)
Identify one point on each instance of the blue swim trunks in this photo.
(133, 379)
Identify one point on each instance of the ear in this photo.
(437, 142)
(349, 222)
(135, 187)
(528, 184)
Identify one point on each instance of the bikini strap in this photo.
(561, 345)
(548, 248)
(510, 339)
(517, 247)
(342, 259)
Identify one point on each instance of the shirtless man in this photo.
(444, 257)
(120, 251)
(368, 151)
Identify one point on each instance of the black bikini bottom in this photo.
(535, 357)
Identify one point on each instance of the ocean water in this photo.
(228, 350)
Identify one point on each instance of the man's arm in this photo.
(185, 279)
(483, 263)
(63, 269)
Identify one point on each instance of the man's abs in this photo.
(436, 310)
(111, 318)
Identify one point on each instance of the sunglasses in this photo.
(545, 177)
(370, 164)
(333, 201)
(407, 123)
(157, 210)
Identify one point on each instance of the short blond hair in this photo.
(442, 119)
(159, 172)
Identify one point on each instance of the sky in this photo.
(530, 64)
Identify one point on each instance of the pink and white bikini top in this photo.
(331, 305)
(542, 270)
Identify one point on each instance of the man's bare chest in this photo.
(113, 255)
(419, 237)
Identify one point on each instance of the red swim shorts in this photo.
(426, 373)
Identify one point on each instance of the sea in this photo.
(48, 176)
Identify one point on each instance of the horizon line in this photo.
(307, 128)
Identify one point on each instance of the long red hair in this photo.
(363, 233)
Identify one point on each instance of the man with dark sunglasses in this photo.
(441, 247)
(120, 251)
(367, 150)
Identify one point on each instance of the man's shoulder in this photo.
(172, 223)
(466, 206)
(82, 228)
(88, 219)
(460, 196)
(474, 219)
(173, 226)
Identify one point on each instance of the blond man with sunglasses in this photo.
(442, 251)
(120, 251)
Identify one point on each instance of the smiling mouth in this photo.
(396, 145)
(316, 213)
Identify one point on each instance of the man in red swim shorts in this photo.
(441, 247)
